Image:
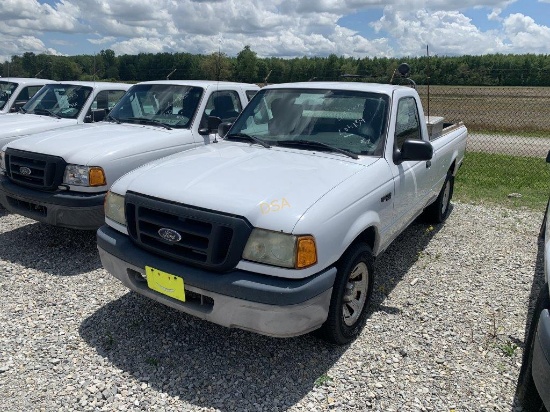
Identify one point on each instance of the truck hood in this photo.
(82, 144)
(272, 188)
(18, 124)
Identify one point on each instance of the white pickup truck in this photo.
(60, 105)
(16, 91)
(61, 177)
(275, 228)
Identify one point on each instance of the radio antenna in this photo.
(428, 76)
(218, 74)
(267, 77)
(170, 74)
(219, 59)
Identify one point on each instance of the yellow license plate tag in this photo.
(165, 283)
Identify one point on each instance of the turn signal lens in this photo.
(306, 252)
(97, 177)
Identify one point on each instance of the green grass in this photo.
(323, 379)
(486, 177)
(508, 348)
(542, 134)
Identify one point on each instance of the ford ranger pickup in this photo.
(274, 229)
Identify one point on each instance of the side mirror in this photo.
(98, 115)
(404, 70)
(412, 149)
(548, 157)
(223, 128)
(95, 115)
(17, 106)
(212, 125)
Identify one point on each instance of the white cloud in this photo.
(23, 44)
(285, 28)
(27, 15)
(102, 40)
(196, 26)
(140, 45)
(525, 36)
(448, 33)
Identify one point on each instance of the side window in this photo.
(407, 125)
(27, 92)
(224, 104)
(250, 94)
(33, 90)
(106, 99)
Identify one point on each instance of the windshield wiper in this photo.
(150, 122)
(249, 137)
(47, 112)
(22, 110)
(309, 143)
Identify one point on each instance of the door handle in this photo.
(428, 164)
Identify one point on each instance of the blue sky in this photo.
(283, 28)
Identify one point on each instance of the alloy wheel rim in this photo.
(355, 295)
(446, 194)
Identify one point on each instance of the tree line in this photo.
(485, 70)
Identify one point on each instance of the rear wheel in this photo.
(351, 295)
(526, 390)
(438, 211)
(544, 220)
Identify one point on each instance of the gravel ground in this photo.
(445, 330)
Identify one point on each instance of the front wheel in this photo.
(438, 211)
(351, 295)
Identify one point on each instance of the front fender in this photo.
(368, 220)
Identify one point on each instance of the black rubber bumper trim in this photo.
(67, 199)
(239, 284)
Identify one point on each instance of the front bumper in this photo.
(237, 299)
(541, 358)
(66, 209)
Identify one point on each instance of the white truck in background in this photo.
(16, 91)
(59, 105)
(60, 177)
(275, 228)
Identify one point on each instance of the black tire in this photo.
(543, 225)
(526, 390)
(438, 211)
(343, 323)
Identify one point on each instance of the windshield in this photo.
(59, 100)
(165, 104)
(308, 118)
(6, 91)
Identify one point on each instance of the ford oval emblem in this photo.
(169, 235)
(25, 171)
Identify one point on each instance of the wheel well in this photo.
(368, 236)
(452, 169)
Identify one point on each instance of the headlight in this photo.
(84, 176)
(2, 160)
(114, 208)
(280, 249)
